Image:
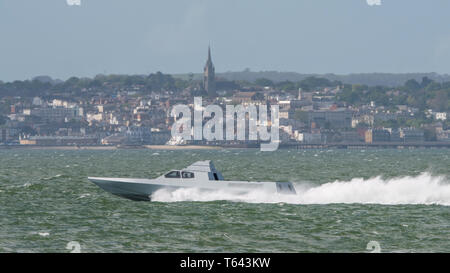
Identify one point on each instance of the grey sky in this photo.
(49, 37)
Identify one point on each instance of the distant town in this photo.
(135, 110)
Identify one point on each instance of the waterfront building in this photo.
(350, 136)
(312, 138)
(381, 135)
(59, 140)
(395, 136)
(412, 135)
(368, 136)
(333, 119)
(57, 114)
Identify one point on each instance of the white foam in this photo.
(423, 189)
(84, 195)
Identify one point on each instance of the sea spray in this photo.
(424, 189)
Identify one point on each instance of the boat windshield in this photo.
(187, 175)
(173, 174)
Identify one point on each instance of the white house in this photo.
(440, 116)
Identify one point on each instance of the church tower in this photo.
(209, 82)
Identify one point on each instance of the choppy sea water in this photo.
(346, 198)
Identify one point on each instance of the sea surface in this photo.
(398, 200)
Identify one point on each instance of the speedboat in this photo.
(201, 175)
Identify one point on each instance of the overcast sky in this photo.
(50, 37)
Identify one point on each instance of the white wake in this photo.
(423, 189)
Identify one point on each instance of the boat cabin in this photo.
(200, 171)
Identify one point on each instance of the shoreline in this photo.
(380, 145)
(108, 148)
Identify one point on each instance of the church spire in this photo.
(209, 84)
(209, 54)
(209, 61)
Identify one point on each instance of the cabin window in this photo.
(215, 176)
(187, 175)
(173, 174)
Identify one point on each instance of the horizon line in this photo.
(225, 72)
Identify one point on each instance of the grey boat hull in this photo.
(142, 190)
(132, 191)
